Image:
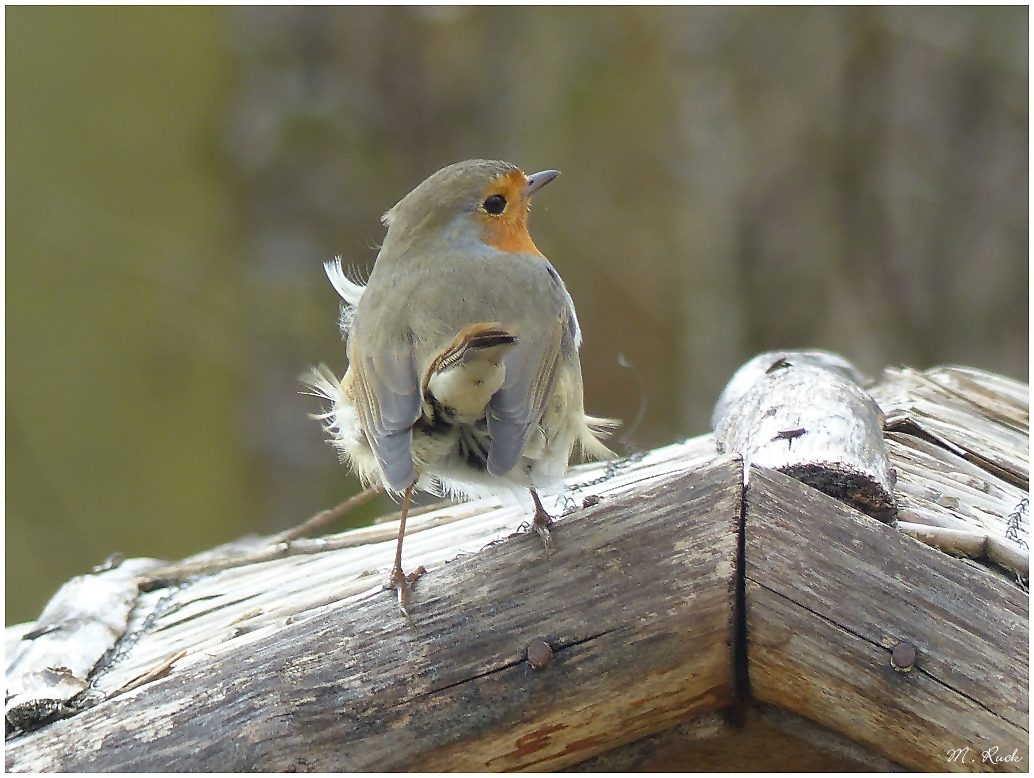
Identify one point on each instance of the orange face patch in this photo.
(508, 230)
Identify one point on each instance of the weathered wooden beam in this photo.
(946, 406)
(50, 663)
(636, 605)
(755, 369)
(764, 738)
(805, 414)
(826, 607)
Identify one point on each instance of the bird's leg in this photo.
(542, 522)
(399, 581)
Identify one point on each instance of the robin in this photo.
(463, 371)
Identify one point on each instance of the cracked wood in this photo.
(825, 608)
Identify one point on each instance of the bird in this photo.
(463, 373)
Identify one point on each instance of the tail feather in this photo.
(351, 291)
(321, 382)
(597, 428)
(338, 419)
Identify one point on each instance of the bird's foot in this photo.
(542, 522)
(402, 583)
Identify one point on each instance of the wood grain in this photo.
(984, 433)
(636, 604)
(997, 396)
(767, 739)
(825, 608)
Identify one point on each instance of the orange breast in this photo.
(509, 237)
(508, 231)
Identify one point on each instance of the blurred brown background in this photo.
(734, 180)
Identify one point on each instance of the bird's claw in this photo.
(402, 583)
(542, 523)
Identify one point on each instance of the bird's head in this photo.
(484, 200)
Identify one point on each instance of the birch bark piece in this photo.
(51, 664)
(806, 416)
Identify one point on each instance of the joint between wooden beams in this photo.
(740, 666)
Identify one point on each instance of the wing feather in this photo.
(516, 409)
(387, 399)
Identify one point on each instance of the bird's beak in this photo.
(538, 180)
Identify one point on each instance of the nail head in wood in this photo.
(539, 654)
(903, 657)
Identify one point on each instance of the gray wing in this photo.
(531, 371)
(386, 394)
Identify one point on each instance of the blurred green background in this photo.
(734, 180)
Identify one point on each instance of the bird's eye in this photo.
(495, 204)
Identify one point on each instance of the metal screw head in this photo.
(539, 654)
(903, 657)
